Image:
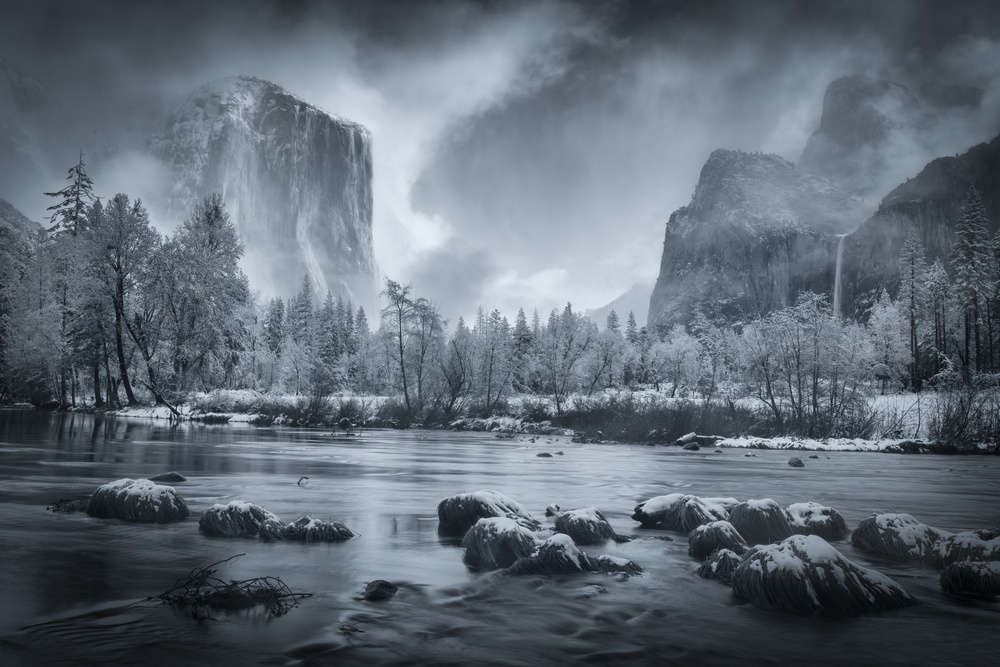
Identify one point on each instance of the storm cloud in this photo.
(526, 153)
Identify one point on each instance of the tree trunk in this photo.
(122, 364)
(98, 399)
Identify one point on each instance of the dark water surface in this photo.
(74, 588)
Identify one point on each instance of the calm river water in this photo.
(74, 588)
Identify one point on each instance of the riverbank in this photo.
(896, 424)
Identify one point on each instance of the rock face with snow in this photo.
(859, 118)
(757, 232)
(929, 203)
(296, 180)
(20, 99)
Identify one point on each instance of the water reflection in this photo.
(80, 583)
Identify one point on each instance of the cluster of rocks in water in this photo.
(772, 556)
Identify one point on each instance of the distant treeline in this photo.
(101, 310)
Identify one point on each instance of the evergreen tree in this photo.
(971, 259)
(274, 325)
(69, 216)
(912, 270)
(612, 324)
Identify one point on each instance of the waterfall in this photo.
(836, 281)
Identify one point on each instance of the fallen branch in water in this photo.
(202, 590)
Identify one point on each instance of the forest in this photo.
(101, 311)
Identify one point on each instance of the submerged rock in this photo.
(169, 477)
(137, 500)
(65, 506)
(804, 573)
(379, 590)
(796, 462)
(460, 512)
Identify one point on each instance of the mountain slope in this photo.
(756, 233)
(930, 202)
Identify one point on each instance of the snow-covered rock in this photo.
(137, 500)
(804, 573)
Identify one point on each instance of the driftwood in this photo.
(159, 399)
(202, 591)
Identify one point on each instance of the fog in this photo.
(526, 153)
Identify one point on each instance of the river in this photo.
(75, 588)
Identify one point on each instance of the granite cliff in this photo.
(296, 181)
(756, 233)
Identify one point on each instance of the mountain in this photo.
(16, 236)
(636, 301)
(859, 118)
(756, 233)
(296, 181)
(930, 202)
(21, 97)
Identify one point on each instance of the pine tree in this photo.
(612, 324)
(274, 325)
(70, 214)
(970, 258)
(912, 275)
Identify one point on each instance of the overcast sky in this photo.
(526, 153)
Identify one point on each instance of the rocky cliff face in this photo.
(930, 202)
(296, 181)
(20, 99)
(859, 118)
(756, 233)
